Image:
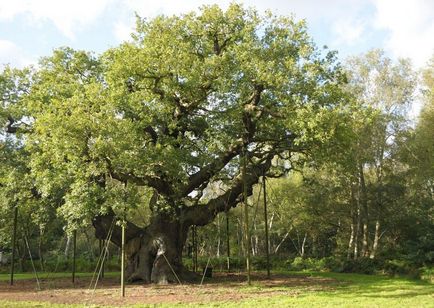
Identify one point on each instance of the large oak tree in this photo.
(174, 111)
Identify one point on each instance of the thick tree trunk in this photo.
(154, 253)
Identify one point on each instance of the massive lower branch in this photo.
(201, 215)
(103, 224)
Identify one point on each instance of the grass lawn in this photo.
(355, 290)
(334, 290)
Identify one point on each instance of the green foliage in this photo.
(311, 264)
(187, 80)
(427, 274)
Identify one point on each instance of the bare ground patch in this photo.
(222, 287)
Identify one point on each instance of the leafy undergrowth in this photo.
(286, 289)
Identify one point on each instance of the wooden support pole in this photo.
(246, 216)
(14, 241)
(267, 249)
(100, 251)
(74, 253)
(227, 242)
(123, 261)
(105, 246)
(194, 230)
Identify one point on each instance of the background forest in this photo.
(361, 200)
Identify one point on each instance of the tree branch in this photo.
(201, 215)
(207, 172)
(155, 182)
(102, 226)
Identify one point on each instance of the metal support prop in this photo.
(14, 241)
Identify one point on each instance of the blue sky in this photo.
(30, 29)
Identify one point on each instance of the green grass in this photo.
(348, 290)
(354, 290)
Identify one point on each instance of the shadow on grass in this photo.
(379, 286)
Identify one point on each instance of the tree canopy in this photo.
(174, 109)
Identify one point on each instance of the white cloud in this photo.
(13, 55)
(152, 7)
(67, 16)
(124, 26)
(310, 9)
(123, 30)
(411, 27)
(348, 31)
(339, 14)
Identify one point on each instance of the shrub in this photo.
(427, 274)
(363, 266)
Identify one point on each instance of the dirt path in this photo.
(222, 287)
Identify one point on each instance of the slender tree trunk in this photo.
(74, 252)
(254, 239)
(40, 245)
(89, 245)
(357, 231)
(21, 255)
(314, 247)
(364, 202)
(68, 246)
(267, 248)
(377, 235)
(281, 242)
(14, 242)
(351, 241)
(218, 237)
(365, 250)
(376, 240)
(240, 241)
(270, 225)
(303, 244)
(228, 246)
(353, 210)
